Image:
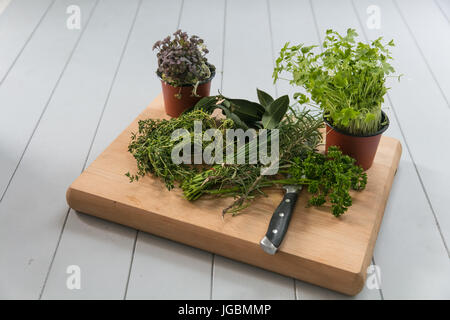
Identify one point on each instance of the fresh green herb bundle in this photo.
(346, 80)
(152, 145)
(298, 135)
(328, 177)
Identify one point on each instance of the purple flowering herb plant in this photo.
(182, 60)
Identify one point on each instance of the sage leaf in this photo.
(275, 112)
(264, 98)
(246, 114)
(249, 107)
(207, 104)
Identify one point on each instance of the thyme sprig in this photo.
(152, 146)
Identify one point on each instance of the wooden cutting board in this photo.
(318, 248)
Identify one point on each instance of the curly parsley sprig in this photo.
(329, 177)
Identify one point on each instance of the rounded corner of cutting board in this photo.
(69, 196)
(358, 280)
(74, 197)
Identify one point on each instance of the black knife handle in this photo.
(280, 219)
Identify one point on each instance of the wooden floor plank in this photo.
(29, 230)
(162, 263)
(109, 243)
(248, 52)
(407, 195)
(409, 251)
(168, 270)
(103, 252)
(291, 22)
(3, 5)
(424, 255)
(26, 91)
(431, 33)
(17, 25)
(444, 6)
(235, 280)
(247, 65)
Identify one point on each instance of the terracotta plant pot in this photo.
(362, 148)
(179, 99)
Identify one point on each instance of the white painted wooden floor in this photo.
(65, 95)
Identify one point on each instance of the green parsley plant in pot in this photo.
(184, 71)
(347, 81)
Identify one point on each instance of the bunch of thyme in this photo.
(152, 146)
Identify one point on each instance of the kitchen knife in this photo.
(280, 220)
